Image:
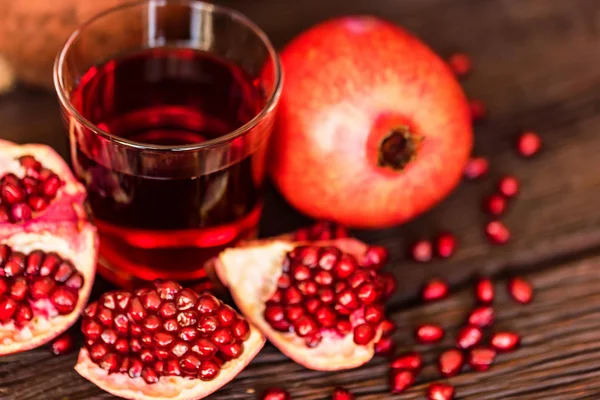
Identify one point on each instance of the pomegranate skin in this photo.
(350, 82)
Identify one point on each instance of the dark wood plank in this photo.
(536, 68)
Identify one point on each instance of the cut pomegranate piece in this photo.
(401, 380)
(341, 394)
(339, 323)
(505, 341)
(429, 333)
(520, 290)
(410, 361)
(528, 144)
(484, 291)
(164, 342)
(440, 391)
(451, 362)
(435, 289)
(482, 317)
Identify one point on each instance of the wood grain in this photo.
(536, 67)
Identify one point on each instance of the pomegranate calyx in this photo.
(398, 148)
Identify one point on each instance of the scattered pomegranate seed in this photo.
(410, 361)
(494, 204)
(481, 358)
(62, 344)
(440, 391)
(478, 109)
(388, 327)
(505, 341)
(422, 251)
(385, 346)
(482, 317)
(451, 362)
(476, 168)
(435, 289)
(341, 394)
(484, 291)
(400, 380)
(275, 394)
(508, 186)
(520, 290)
(445, 245)
(529, 144)
(497, 232)
(460, 63)
(468, 337)
(429, 333)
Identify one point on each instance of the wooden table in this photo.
(536, 67)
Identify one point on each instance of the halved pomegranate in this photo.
(321, 303)
(48, 249)
(164, 342)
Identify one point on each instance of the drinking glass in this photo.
(169, 106)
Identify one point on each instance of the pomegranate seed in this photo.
(375, 257)
(20, 212)
(324, 278)
(385, 347)
(345, 267)
(305, 326)
(440, 391)
(34, 260)
(460, 63)
(4, 217)
(478, 109)
(50, 186)
(64, 272)
(325, 316)
(343, 327)
(508, 186)
(497, 232)
(341, 394)
(50, 264)
(468, 337)
(520, 290)
(429, 333)
(329, 257)
(368, 293)
(64, 300)
(110, 363)
(494, 204)
(8, 307)
(31, 186)
(481, 358)
(476, 168)
(482, 317)
(75, 281)
(484, 291)
(451, 362)
(275, 394)
(347, 298)
(30, 163)
(529, 144)
(363, 334)
(37, 203)
(374, 314)
(12, 193)
(410, 361)
(292, 296)
(387, 328)
(445, 245)
(505, 341)
(400, 380)
(313, 304)
(24, 314)
(389, 284)
(422, 251)
(435, 289)
(62, 344)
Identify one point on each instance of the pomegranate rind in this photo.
(168, 387)
(251, 273)
(68, 205)
(75, 242)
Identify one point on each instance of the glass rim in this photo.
(270, 102)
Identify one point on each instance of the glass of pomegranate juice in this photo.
(169, 106)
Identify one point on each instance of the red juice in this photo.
(152, 226)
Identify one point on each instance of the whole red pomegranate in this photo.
(372, 129)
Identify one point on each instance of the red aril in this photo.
(384, 114)
(341, 394)
(505, 341)
(385, 346)
(495, 205)
(136, 347)
(497, 232)
(481, 358)
(388, 327)
(482, 317)
(520, 290)
(440, 391)
(528, 144)
(445, 245)
(451, 362)
(62, 344)
(476, 168)
(478, 109)
(275, 394)
(410, 361)
(484, 291)
(341, 323)
(47, 255)
(460, 63)
(435, 289)
(422, 251)
(508, 186)
(400, 380)
(429, 333)
(468, 337)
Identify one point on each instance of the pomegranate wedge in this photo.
(321, 303)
